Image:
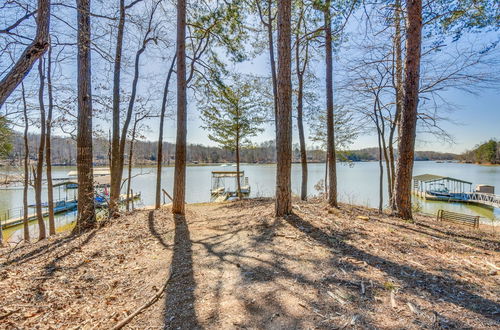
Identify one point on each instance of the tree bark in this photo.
(86, 210)
(384, 147)
(302, 141)
(159, 160)
(397, 82)
(300, 109)
(332, 162)
(129, 183)
(326, 176)
(272, 60)
(26, 168)
(41, 148)
(284, 118)
(381, 167)
(32, 53)
(178, 206)
(238, 180)
(48, 151)
(407, 128)
(116, 172)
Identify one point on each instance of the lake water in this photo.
(357, 184)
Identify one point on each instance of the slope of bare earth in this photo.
(233, 266)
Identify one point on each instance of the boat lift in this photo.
(225, 185)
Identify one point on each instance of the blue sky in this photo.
(475, 117)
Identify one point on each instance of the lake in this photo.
(357, 184)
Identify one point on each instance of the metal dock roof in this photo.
(433, 177)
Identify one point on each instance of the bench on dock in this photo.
(464, 219)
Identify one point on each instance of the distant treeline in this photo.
(145, 152)
(486, 153)
(371, 154)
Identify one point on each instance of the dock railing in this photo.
(11, 213)
(6, 215)
(484, 198)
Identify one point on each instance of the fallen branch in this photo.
(147, 304)
(8, 314)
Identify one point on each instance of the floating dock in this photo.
(8, 219)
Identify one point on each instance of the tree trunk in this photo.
(326, 175)
(159, 160)
(26, 168)
(48, 151)
(300, 122)
(384, 148)
(130, 109)
(178, 206)
(238, 163)
(398, 82)
(407, 128)
(302, 141)
(272, 60)
(41, 148)
(381, 176)
(381, 167)
(332, 162)
(116, 173)
(388, 167)
(284, 118)
(86, 211)
(131, 150)
(33, 52)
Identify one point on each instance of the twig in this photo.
(12, 250)
(8, 313)
(147, 304)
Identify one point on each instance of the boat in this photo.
(100, 201)
(438, 190)
(62, 206)
(123, 197)
(71, 185)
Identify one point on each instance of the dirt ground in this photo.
(234, 266)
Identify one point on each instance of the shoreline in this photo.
(235, 265)
(386, 212)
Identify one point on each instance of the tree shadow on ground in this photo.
(264, 281)
(154, 231)
(179, 312)
(437, 286)
(480, 242)
(45, 247)
(51, 267)
(442, 233)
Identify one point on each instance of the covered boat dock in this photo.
(225, 185)
(438, 187)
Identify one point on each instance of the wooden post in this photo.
(132, 198)
(1, 234)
